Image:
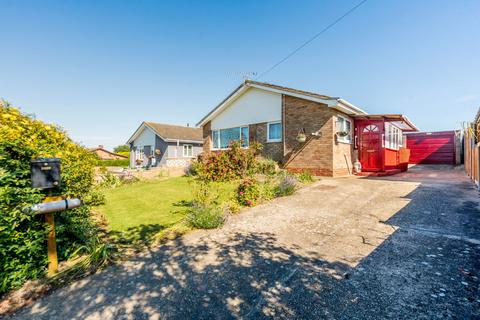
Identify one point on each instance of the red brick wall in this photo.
(322, 154)
(271, 150)
(316, 154)
(207, 137)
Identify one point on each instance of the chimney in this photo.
(188, 124)
(100, 146)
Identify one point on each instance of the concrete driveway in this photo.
(406, 246)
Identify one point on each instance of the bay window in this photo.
(222, 138)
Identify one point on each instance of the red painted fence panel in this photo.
(432, 147)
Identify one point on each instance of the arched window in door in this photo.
(370, 128)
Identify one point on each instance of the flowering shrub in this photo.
(234, 163)
(286, 186)
(248, 192)
(22, 234)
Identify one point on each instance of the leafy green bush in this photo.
(109, 180)
(22, 234)
(113, 163)
(305, 176)
(205, 212)
(267, 189)
(124, 153)
(248, 192)
(231, 164)
(125, 148)
(267, 167)
(205, 216)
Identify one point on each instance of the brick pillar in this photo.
(207, 137)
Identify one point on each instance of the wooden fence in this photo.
(471, 154)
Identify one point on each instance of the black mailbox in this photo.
(45, 173)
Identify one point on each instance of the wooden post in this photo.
(51, 242)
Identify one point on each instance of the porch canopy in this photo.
(399, 120)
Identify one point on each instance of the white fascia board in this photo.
(329, 102)
(136, 133)
(223, 105)
(348, 106)
(139, 130)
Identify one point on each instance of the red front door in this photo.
(370, 147)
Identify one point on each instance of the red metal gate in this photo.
(432, 147)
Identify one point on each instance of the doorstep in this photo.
(379, 173)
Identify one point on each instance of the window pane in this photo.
(215, 139)
(347, 126)
(275, 131)
(229, 135)
(339, 124)
(244, 136)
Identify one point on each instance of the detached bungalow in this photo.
(307, 131)
(156, 144)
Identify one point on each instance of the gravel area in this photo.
(399, 247)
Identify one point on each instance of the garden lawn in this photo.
(136, 212)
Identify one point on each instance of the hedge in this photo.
(113, 163)
(23, 234)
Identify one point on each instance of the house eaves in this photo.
(332, 102)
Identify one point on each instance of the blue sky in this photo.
(99, 68)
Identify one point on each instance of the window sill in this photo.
(223, 149)
(274, 140)
(344, 141)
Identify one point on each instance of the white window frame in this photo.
(191, 151)
(139, 154)
(347, 139)
(268, 131)
(219, 130)
(393, 137)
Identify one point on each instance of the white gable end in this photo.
(254, 106)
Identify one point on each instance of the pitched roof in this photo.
(101, 148)
(333, 102)
(170, 132)
(292, 90)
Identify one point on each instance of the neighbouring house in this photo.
(307, 131)
(157, 144)
(104, 154)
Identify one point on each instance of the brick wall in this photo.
(271, 150)
(342, 157)
(207, 137)
(316, 154)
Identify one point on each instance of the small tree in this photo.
(122, 148)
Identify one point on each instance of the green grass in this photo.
(136, 212)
